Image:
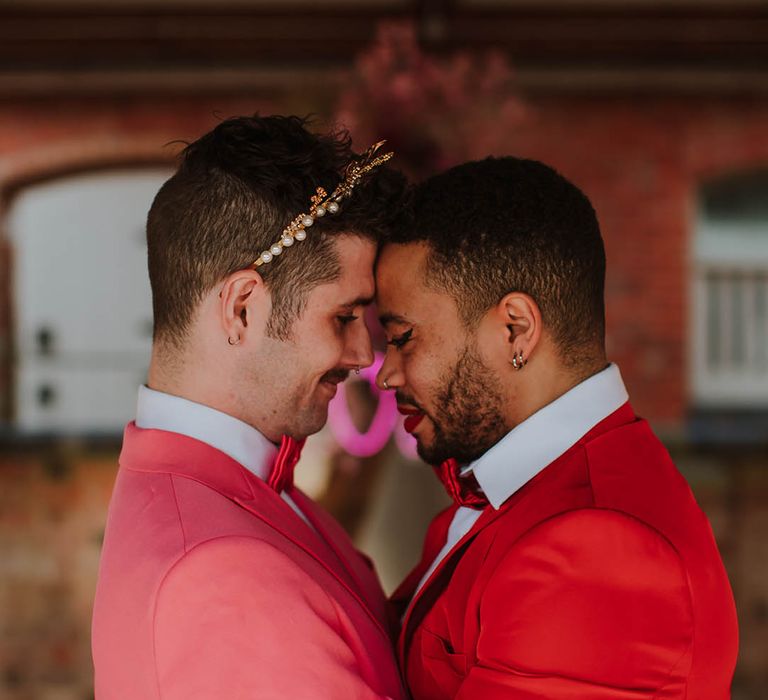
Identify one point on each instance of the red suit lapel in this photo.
(437, 535)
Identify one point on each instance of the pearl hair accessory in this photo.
(322, 203)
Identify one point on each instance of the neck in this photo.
(173, 370)
(194, 375)
(543, 382)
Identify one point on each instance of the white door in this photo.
(82, 304)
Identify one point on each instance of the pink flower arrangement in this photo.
(434, 111)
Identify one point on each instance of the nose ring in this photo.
(386, 386)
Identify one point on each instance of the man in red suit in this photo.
(575, 562)
(219, 579)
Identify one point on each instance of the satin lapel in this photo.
(436, 536)
(416, 611)
(275, 512)
(404, 592)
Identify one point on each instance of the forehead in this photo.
(355, 282)
(401, 289)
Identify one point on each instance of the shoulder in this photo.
(235, 559)
(593, 522)
(590, 560)
(235, 580)
(583, 583)
(597, 542)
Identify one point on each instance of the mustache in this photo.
(403, 398)
(335, 375)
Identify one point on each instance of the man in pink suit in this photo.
(218, 578)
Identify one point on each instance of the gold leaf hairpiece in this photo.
(323, 204)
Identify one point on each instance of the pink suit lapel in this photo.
(161, 451)
(275, 512)
(359, 570)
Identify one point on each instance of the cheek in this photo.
(323, 351)
(421, 377)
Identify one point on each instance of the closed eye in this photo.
(344, 320)
(401, 340)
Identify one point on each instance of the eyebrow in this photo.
(386, 319)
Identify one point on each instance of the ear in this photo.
(244, 306)
(521, 317)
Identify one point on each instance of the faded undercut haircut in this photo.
(235, 190)
(504, 225)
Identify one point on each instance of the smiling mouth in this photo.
(334, 378)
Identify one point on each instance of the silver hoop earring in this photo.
(519, 361)
(229, 340)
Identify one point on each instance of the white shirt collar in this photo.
(543, 437)
(240, 441)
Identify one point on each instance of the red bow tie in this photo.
(281, 477)
(464, 490)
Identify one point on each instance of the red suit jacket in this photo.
(600, 578)
(211, 586)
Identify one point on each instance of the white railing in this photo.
(730, 334)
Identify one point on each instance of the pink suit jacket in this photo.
(211, 586)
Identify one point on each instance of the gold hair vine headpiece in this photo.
(322, 203)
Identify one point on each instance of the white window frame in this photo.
(729, 360)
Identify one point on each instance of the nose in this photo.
(389, 373)
(362, 348)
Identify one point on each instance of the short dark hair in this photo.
(235, 190)
(504, 225)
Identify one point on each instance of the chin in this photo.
(428, 454)
(311, 422)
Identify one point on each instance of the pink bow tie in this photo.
(281, 477)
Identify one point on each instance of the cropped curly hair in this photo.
(504, 225)
(235, 190)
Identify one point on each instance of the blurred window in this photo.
(82, 304)
(730, 295)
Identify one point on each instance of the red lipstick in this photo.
(414, 417)
(411, 422)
